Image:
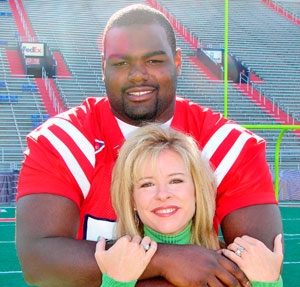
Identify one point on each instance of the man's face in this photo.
(140, 73)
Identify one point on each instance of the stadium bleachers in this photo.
(257, 36)
(15, 116)
(253, 39)
(264, 39)
(8, 32)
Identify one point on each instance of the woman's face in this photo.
(164, 196)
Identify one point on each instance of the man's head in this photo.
(139, 14)
(140, 65)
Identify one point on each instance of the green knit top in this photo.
(184, 237)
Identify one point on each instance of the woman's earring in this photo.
(136, 219)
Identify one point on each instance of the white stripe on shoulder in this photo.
(81, 141)
(231, 157)
(62, 148)
(217, 138)
(214, 143)
(70, 161)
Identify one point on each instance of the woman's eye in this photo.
(146, 184)
(176, 180)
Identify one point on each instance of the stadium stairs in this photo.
(71, 29)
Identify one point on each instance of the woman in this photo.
(164, 191)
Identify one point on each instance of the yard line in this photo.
(8, 219)
(10, 272)
(290, 219)
(7, 223)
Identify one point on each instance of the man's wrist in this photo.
(158, 262)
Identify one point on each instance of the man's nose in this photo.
(138, 73)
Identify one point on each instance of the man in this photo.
(64, 201)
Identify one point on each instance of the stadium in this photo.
(50, 60)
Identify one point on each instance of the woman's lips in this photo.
(165, 211)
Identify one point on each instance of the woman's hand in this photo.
(257, 261)
(127, 259)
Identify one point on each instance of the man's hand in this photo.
(195, 266)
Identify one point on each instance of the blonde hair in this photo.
(150, 141)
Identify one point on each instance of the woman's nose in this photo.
(163, 192)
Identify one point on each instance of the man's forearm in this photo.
(47, 249)
(154, 282)
(60, 262)
(193, 266)
(159, 260)
(59, 265)
(262, 222)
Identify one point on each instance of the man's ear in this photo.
(102, 67)
(178, 61)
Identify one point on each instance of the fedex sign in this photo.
(33, 49)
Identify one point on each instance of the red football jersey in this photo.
(73, 153)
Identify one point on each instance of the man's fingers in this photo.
(237, 277)
(213, 282)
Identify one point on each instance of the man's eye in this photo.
(119, 64)
(154, 61)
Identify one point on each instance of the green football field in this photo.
(11, 275)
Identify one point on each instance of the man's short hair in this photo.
(139, 14)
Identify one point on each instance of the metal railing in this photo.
(283, 129)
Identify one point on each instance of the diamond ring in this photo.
(146, 246)
(239, 251)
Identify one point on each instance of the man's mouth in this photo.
(138, 94)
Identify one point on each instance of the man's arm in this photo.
(51, 256)
(259, 221)
(262, 222)
(48, 251)
(194, 266)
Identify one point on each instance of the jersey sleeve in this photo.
(248, 181)
(237, 156)
(59, 160)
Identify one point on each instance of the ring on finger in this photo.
(239, 251)
(145, 245)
